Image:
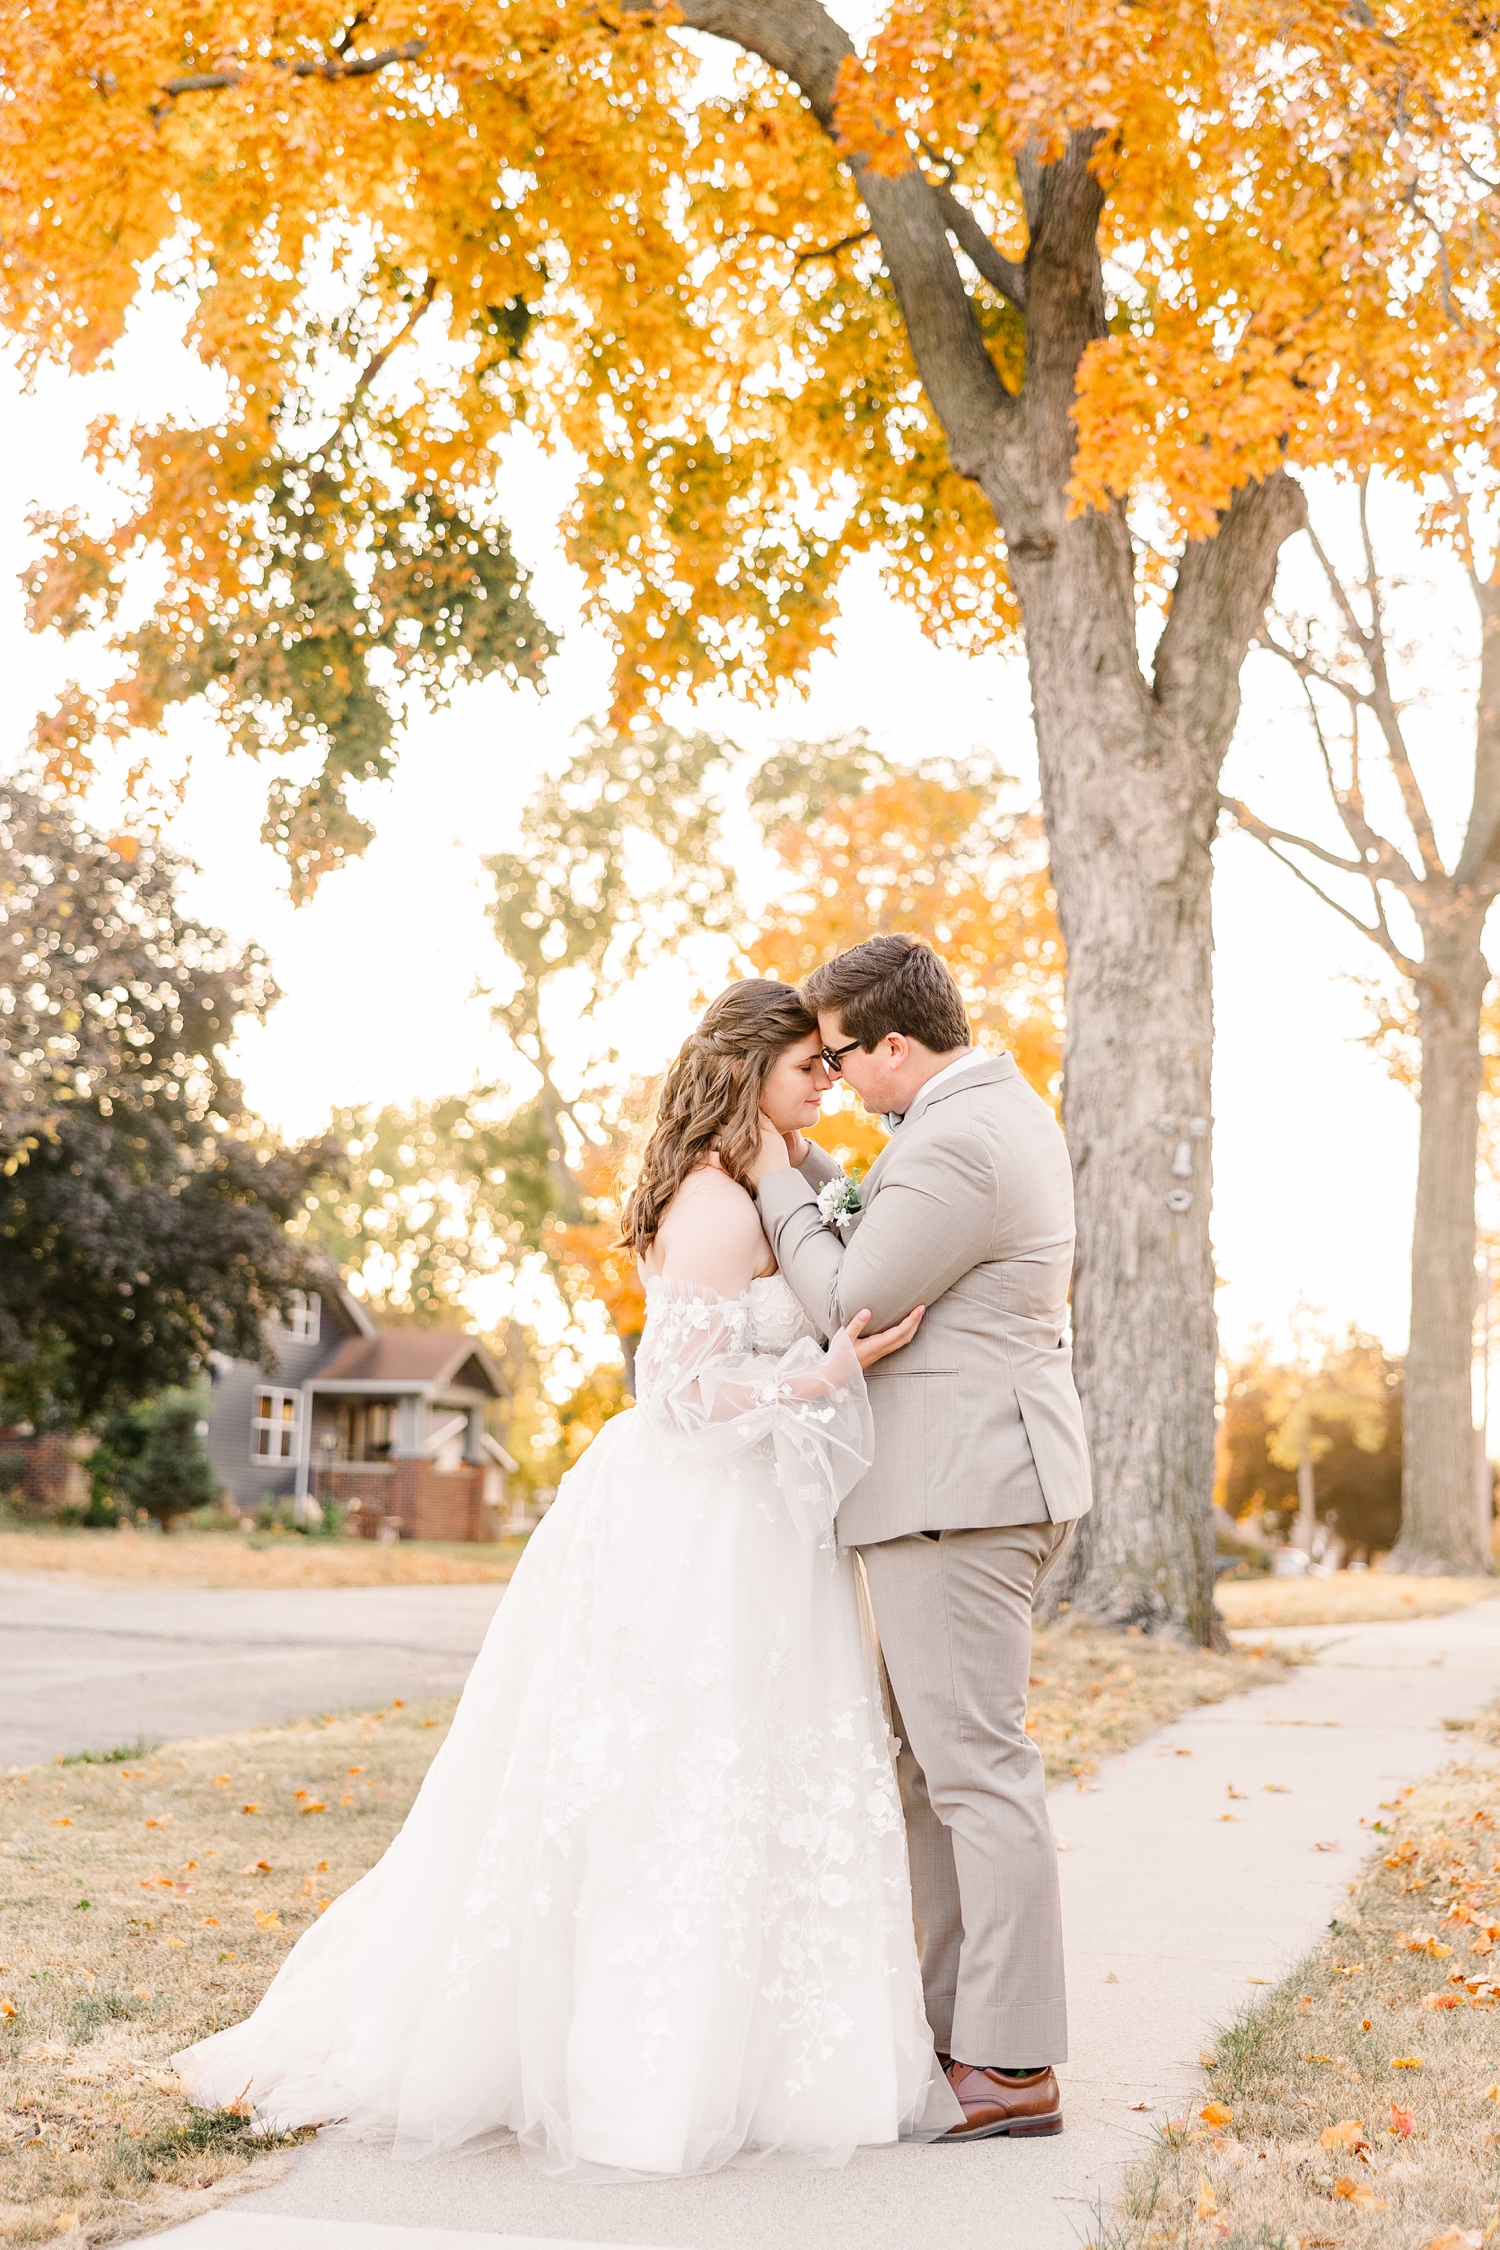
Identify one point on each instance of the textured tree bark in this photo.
(1129, 768)
(1439, 1513)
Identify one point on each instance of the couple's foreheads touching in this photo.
(886, 1016)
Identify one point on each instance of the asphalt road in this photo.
(85, 1666)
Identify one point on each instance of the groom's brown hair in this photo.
(891, 984)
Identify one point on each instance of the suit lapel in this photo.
(991, 1073)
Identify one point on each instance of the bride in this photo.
(650, 1911)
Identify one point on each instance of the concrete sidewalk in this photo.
(1175, 1915)
(84, 1666)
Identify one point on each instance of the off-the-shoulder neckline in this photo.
(701, 1292)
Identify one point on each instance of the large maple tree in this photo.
(1035, 306)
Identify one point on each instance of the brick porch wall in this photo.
(427, 1502)
(45, 1469)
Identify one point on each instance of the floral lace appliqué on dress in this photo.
(650, 1911)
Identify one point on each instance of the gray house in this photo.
(389, 1423)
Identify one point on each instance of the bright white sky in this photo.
(1315, 1151)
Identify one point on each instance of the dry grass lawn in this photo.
(185, 1558)
(1359, 2103)
(147, 1903)
(1095, 1693)
(1364, 1597)
(150, 1900)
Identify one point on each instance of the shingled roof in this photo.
(426, 1359)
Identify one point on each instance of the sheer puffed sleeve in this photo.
(708, 1393)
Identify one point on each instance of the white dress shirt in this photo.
(969, 1060)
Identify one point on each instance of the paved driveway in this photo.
(86, 1666)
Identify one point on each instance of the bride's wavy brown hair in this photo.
(711, 1098)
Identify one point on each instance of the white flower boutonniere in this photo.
(837, 1200)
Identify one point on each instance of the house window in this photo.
(273, 1428)
(304, 1317)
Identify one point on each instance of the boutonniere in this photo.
(837, 1199)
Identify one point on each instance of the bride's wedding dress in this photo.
(650, 1911)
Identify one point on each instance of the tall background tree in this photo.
(143, 1211)
(989, 301)
(1311, 1431)
(1426, 910)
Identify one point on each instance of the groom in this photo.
(981, 1468)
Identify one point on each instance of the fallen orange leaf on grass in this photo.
(1406, 2062)
(7, 2007)
(68, 1824)
(1216, 2113)
(1208, 2202)
(1438, 1999)
(267, 1918)
(249, 1808)
(1401, 2123)
(1423, 1941)
(316, 1806)
(1349, 2133)
(1357, 2191)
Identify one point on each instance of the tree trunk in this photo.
(1130, 771)
(1439, 1518)
(1307, 1504)
(1130, 809)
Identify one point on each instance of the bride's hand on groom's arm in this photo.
(867, 1349)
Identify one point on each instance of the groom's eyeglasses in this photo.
(833, 1056)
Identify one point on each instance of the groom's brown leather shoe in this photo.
(993, 2104)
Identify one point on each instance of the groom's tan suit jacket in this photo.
(968, 1211)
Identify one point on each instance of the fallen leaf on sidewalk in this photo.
(1276, 1789)
(1110, 1977)
(1331, 1846)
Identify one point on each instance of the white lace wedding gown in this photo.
(650, 1911)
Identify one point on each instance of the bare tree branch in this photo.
(832, 249)
(999, 271)
(1387, 717)
(336, 65)
(1379, 933)
(377, 359)
(1306, 670)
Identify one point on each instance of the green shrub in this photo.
(157, 1461)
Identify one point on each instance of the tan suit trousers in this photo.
(954, 1619)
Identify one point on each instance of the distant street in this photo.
(85, 1666)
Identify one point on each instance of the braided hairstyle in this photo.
(711, 1098)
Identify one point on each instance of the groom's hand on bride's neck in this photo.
(773, 1155)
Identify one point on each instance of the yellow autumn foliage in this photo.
(397, 235)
